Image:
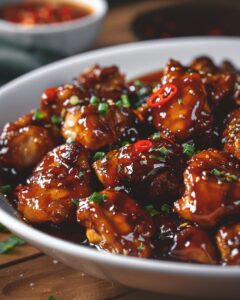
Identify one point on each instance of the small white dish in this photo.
(65, 38)
(172, 278)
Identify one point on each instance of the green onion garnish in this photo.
(75, 202)
(94, 100)
(138, 83)
(51, 298)
(151, 210)
(180, 101)
(223, 141)
(189, 149)
(160, 158)
(141, 247)
(5, 189)
(74, 100)
(70, 140)
(125, 101)
(224, 175)
(166, 208)
(98, 155)
(119, 103)
(97, 198)
(164, 150)
(103, 109)
(156, 135)
(10, 243)
(56, 119)
(38, 115)
(81, 174)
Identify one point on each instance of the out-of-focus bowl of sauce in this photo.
(62, 26)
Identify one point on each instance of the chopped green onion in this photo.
(224, 175)
(152, 210)
(103, 109)
(164, 150)
(119, 103)
(81, 174)
(189, 149)
(125, 101)
(3, 228)
(156, 135)
(75, 202)
(216, 173)
(141, 247)
(124, 143)
(74, 100)
(138, 83)
(98, 155)
(70, 140)
(56, 119)
(38, 115)
(224, 140)
(166, 208)
(10, 243)
(94, 100)
(51, 298)
(97, 198)
(160, 158)
(180, 101)
(5, 189)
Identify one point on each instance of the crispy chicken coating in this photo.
(212, 188)
(95, 129)
(24, 142)
(62, 176)
(228, 242)
(231, 135)
(156, 170)
(187, 115)
(116, 223)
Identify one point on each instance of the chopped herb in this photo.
(51, 298)
(156, 135)
(189, 70)
(70, 140)
(56, 119)
(3, 228)
(160, 158)
(74, 100)
(119, 103)
(94, 100)
(141, 247)
(98, 155)
(180, 100)
(124, 143)
(164, 150)
(224, 175)
(189, 149)
(138, 83)
(97, 198)
(103, 109)
(38, 115)
(10, 243)
(5, 189)
(143, 91)
(125, 101)
(152, 210)
(75, 202)
(166, 208)
(80, 174)
(223, 140)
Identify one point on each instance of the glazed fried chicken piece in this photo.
(116, 223)
(24, 142)
(228, 242)
(107, 83)
(155, 168)
(187, 114)
(231, 135)
(95, 128)
(62, 176)
(212, 188)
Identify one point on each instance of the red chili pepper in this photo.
(143, 145)
(162, 95)
(50, 93)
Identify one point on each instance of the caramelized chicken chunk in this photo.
(107, 83)
(62, 176)
(228, 241)
(116, 223)
(212, 188)
(187, 115)
(94, 128)
(24, 142)
(193, 244)
(231, 135)
(156, 170)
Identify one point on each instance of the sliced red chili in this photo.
(162, 95)
(143, 145)
(50, 93)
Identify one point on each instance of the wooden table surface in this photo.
(28, 274)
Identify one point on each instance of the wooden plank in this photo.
(19, 253)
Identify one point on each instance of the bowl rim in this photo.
(100, 8)
(156, 266)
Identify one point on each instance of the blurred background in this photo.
(126, 21)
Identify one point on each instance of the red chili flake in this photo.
(50, 93)
(162, 95)
(143, 145)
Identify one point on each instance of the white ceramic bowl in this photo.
(174, 278)
(66, 38)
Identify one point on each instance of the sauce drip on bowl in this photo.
(40, 13)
